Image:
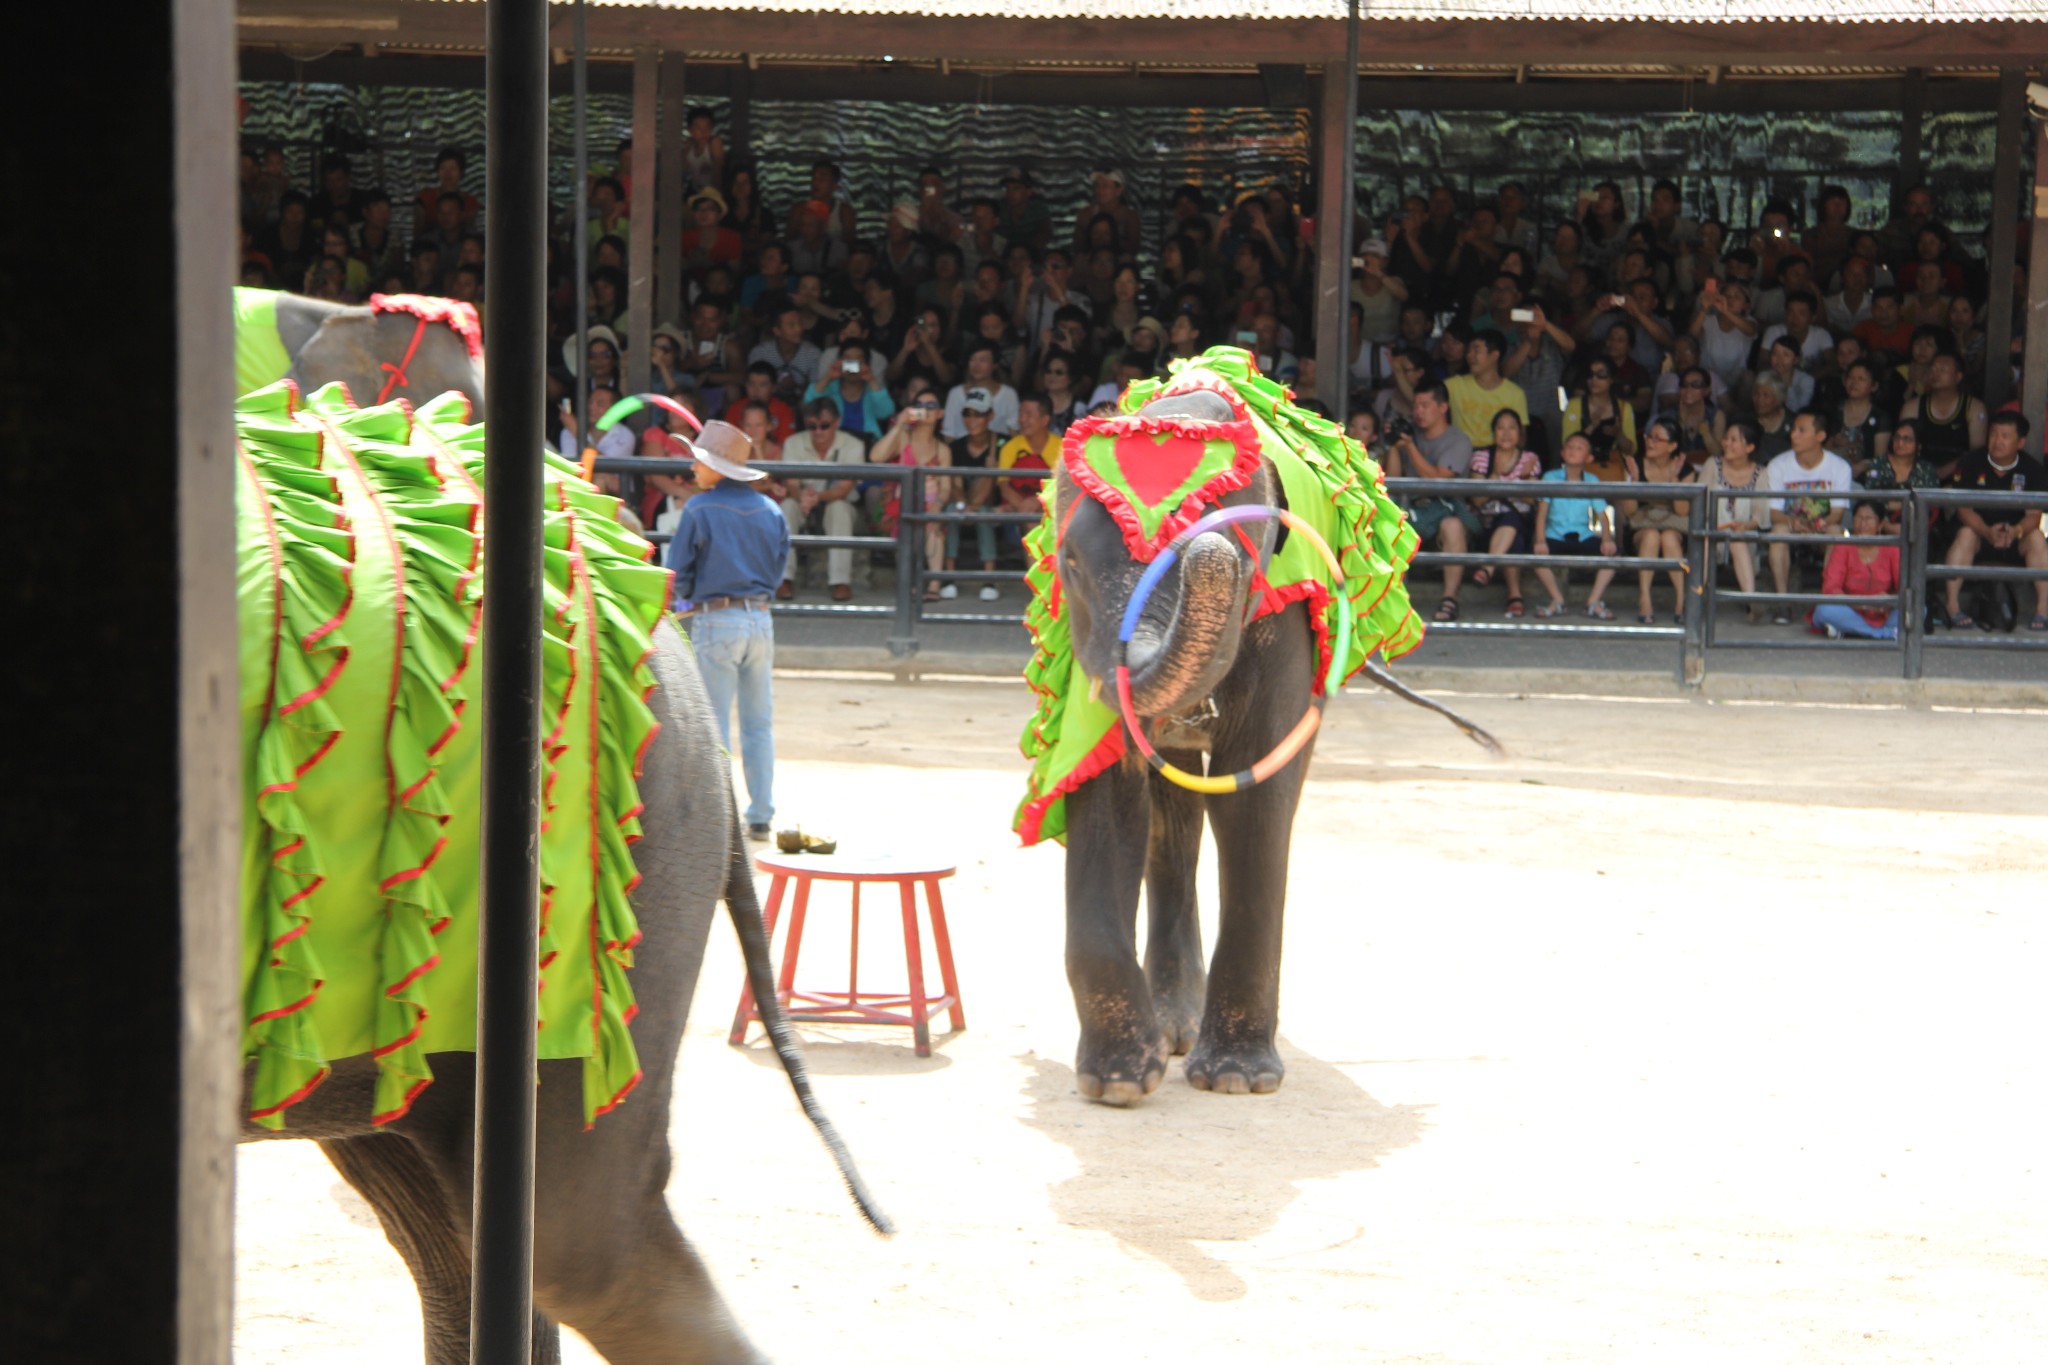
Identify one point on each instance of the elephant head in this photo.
(370, 348)
(1187, 635)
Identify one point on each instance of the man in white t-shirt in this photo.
(1814, 341)
(1809, 466)
(981, 378)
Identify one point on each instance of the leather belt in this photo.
(733, 604)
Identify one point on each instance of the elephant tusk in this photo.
(1095, 689)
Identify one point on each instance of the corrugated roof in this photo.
(1578, 11)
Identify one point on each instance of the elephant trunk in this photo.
(1178, 658)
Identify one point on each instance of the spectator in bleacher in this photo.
(1738, 468)
(1781, 358)
(1270, 353)
(1108, 201)
(1633, 381)
(1927, 305)
(1635, 306)
(266, 190)
(826, 503)
(292, 242)
(1566, 254)
(922, 351)
(1916, 375)
(708, 241)
(887, 322)
(1899, 466)
(1670, 230)
(1813, 341)
(1859, 571)
(1886, 330)
(1902, 230)
(444, 229)
(913, 439)
(340, 203)
(746, 214)
(2001, 535)
(760, 392)
(980, 241)
(976, 449)
(1657, 528)
(946, 288)
(1952, 424)
(334, 253)
(1057, 373)
(1408, 256)
(1808, 467)
(1435, 449)
(1604, 220)
(981, 383)
(1573, 528)
(865, 407)
(1482, 392)
(903, 260)
(1699, 419)
(1968, 339)
(771, 277)
(812, 247)
(373, 242)
(1795, 275)
(1828, 241)
(1024, 218)
(1850, 306)
(1536, 361)
(424, 272)
(1033, 447)
(1863, 429)
(1475, 259)
(1509, 521)
(1378, 294)
(449, 166)
(1773, 420)
(1510, 229)
(1042, 296)
(786, 349)
(1608, 421)
(608, 210)
(711, 356)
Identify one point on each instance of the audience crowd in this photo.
(1780, 361)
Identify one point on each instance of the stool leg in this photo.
(746, 1014)
(853, 957)
(913, 958)
(943, 941)
(786, 983)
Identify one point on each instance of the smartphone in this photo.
(849, 367)
(930, 190)
(1777, 232)
(1247, 338)
(1521, 315)
(707, 348)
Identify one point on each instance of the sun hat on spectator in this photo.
(1152, 325)
(708, 193)
(597, 333)
(977, 400)
(904, 214)
(1373, 246)
(672, 332)
(726, 449)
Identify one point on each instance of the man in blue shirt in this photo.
(727, 555)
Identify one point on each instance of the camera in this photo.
(1399, 427)
(1521, 315)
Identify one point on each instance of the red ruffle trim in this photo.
(450, 312)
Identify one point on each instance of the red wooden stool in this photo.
(854, 1005)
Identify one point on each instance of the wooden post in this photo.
(2005, 212)
(668, 213)
(120, 831)
(739, 131)
(1912, 114)
(1335, 210)
(2034, 377)
(640, 244)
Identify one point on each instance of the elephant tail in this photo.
(745, 908)
(1475, 733)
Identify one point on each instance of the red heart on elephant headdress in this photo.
(1156, 465)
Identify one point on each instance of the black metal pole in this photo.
(516, 126)
(579, 228)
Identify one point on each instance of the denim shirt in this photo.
(730, 542)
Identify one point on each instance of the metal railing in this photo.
(1696, 634)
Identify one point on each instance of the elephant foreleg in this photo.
(1173, 936)
(1123, 1050)
(390, 1173)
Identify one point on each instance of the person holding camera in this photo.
(914, 439)
(865, 407)
(825, 501)
(1431, 448)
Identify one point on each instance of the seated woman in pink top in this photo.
(1860, 571)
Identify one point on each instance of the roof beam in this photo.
(1241, 42)
(914, 84)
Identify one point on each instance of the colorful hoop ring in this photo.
(1292, 744)
(632, 403)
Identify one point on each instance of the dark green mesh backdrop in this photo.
(1729, 164)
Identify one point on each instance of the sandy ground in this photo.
(1687, 1033)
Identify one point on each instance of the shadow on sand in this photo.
(1186, 1168)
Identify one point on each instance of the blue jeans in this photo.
(1850, 621)
(736, 653)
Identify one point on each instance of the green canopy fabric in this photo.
(359, 541)
(1329, 481)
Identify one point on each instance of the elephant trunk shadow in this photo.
(1186, 1168)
